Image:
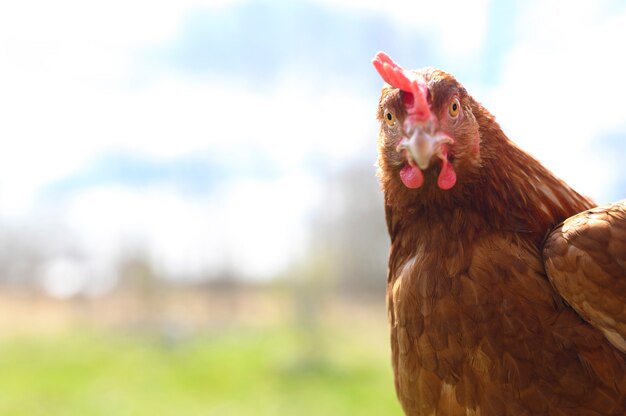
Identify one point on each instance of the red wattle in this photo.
(411, 176)
(447, 176)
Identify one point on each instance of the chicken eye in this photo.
(454, 108)
(389, 118)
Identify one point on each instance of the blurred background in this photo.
(190, 221)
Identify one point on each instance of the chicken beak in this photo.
(421, 142)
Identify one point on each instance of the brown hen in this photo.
(488, 317)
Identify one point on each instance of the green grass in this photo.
(236, 372)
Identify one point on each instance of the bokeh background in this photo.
(190, 221)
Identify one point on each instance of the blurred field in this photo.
(106, 357)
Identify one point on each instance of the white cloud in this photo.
(64, 80)
(254, 227)
(561, 89)
(266, 222)
(456, 28)
(66, 100)
(178, 233)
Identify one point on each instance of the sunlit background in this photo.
(190, 221)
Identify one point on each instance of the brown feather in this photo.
(585, 260)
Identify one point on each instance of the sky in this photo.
(203, 132)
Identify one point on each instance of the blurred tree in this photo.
(351, 233)
(136, 273)
(138, 278)
(22, 252)
(347, 256)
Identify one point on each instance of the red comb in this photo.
(398, 77)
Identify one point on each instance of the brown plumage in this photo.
(477, 327)
(586, 262)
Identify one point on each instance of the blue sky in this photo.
(198, 129)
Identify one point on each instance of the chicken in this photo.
(494, 308)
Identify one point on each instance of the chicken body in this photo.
(477, 328)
